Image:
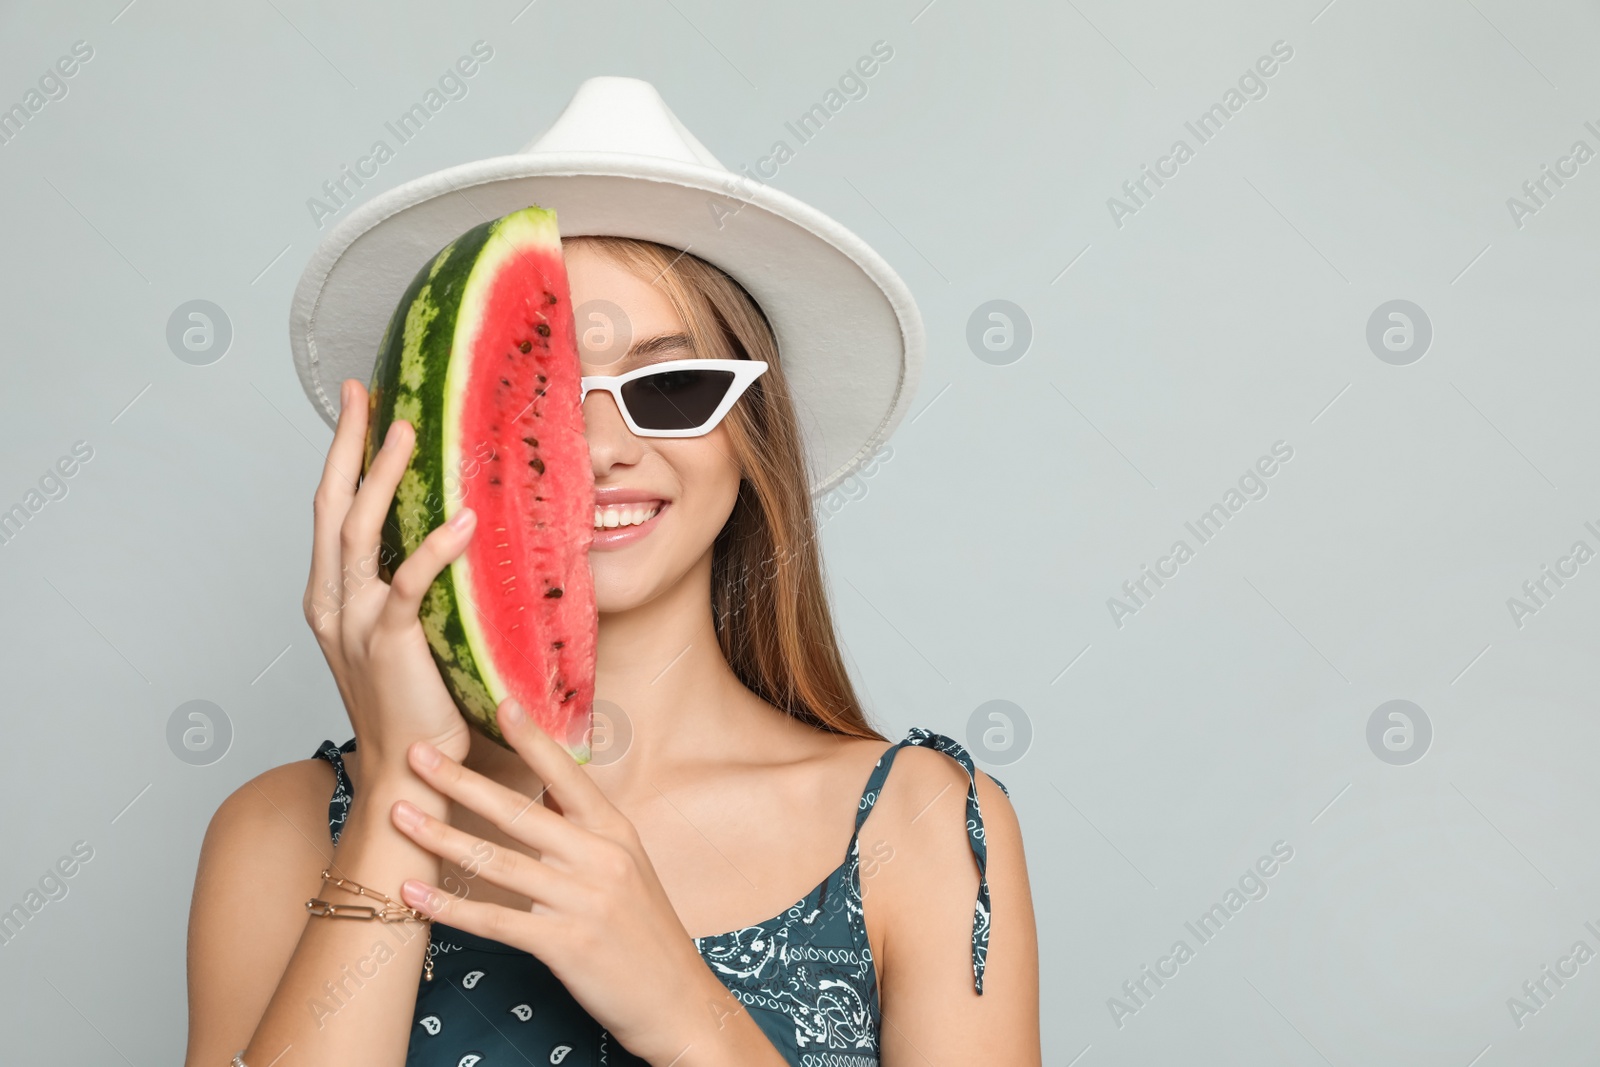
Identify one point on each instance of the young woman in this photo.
(759, 879)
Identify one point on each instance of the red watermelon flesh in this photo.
(482, 357)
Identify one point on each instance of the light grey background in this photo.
(1230, 312)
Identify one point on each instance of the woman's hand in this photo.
(600, 919)
(368, 629)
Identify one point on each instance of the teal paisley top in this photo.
(806, 975)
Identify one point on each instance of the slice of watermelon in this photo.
(480, 357)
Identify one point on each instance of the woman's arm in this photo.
(262, 850)
(263, 975)
(922, 898)
(262, 969)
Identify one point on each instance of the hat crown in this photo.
(621, 115)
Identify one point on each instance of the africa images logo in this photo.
(452, 85)
(1252, 485)
(1253, 885)
(1252, 85)
(53, 85)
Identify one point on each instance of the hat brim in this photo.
(849, 335)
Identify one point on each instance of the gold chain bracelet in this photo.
(393, 911)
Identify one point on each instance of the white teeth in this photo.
(615, 515)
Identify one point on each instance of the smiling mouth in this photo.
(613, 516)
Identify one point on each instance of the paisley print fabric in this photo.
(806, 976)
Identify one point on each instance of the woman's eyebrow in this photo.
(653, 347)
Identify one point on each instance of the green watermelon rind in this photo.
(434, 314)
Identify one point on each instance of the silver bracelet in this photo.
(238, 1059)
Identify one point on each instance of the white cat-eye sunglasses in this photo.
(677, 397)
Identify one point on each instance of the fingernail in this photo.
(407, 815)
(427, 755)
(344, 396)
(514, 713)
(417, 895)
(462, 519)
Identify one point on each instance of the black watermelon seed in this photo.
(505, 381)
(542, 330)
(534, 441)
(537, 464)
(538, 392)
(526, 346)
(549, 298)
(538, 498)
(541, 377)
(570, 694)
(558, 644)
(494, 481)
(553, 592)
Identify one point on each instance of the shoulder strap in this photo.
(343, 792)
(980, 851)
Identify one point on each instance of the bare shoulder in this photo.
(287, 805)
(925, 785)
(262, 858)
(920, 882)
(917, 848)
(265, 847)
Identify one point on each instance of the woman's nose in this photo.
(610, 441)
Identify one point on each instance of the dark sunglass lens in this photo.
(676, 399)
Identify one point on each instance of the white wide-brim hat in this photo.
(617, 161)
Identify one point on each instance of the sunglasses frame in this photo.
(745, 372)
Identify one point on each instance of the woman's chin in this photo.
(615, 593)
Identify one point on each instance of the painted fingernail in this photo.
(427, 755)
(514, 713)
(462, 519)
(417, 895)
(407, 815)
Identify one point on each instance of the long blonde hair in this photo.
(768, 600)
